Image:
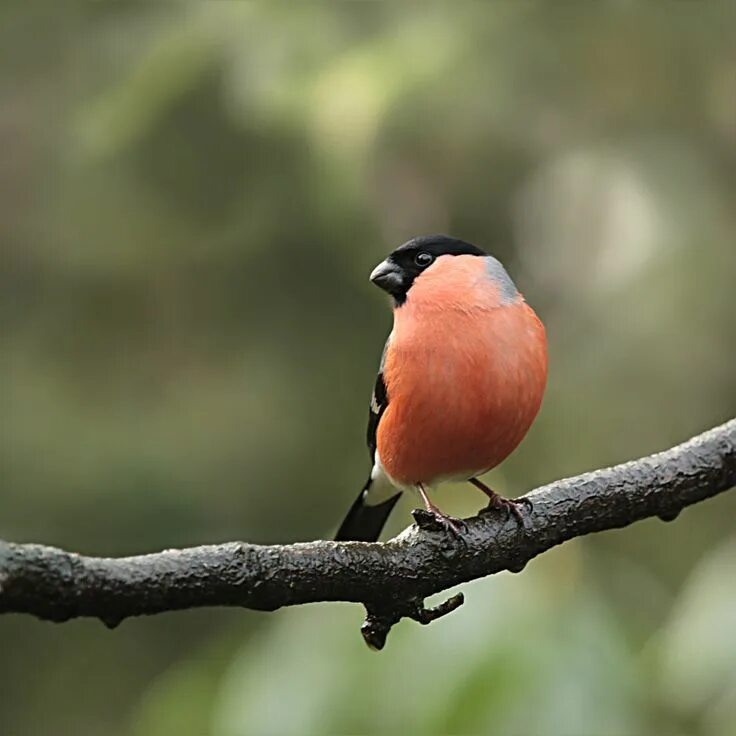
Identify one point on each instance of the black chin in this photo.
(399, 297)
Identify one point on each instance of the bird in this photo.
(460, 382)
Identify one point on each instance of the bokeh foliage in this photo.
(193, 195)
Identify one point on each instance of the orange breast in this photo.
(464, 386)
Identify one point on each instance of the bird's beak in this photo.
(387, 276)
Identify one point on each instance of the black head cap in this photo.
(397, 273)
(439, 245)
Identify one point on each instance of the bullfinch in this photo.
(460, 382)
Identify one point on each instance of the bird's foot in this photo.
(509, 505)
(434, 520)
(497, 502)
(431, 518)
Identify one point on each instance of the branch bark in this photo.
(391, 579)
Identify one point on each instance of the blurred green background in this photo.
(193, 195)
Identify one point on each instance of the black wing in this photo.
(364, 522)
(379, 402)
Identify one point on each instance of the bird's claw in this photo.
(435, 520)
(509, 505)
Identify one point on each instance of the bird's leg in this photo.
(499, 502)
(448, 522)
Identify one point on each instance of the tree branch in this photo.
(391, 579)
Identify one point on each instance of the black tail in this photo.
(363, 523)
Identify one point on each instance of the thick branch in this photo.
(392, 579)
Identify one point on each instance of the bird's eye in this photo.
(423, 259)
